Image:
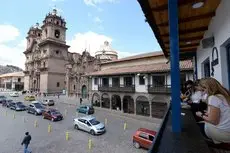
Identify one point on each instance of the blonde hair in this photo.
(213, 87)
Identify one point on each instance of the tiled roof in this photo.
(151, 68)
(145, 55)
(14, 74)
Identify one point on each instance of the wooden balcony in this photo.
(159, 89)
(119, 88)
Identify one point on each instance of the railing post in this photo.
(174, 63)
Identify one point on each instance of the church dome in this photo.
(106, 52)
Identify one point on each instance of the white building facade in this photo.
(219, 28)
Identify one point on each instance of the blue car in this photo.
(2, 99)
(85, 109)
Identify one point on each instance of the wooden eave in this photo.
(192, 22)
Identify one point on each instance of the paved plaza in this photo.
(115, 140)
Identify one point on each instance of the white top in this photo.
(197, 96)
(221, 103)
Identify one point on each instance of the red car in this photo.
(52, 114)
(143, 138)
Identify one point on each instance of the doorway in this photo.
(84, 91)
(228, 63)
(206, 68)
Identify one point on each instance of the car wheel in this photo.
(92, 132)
(44, 117)
(28, 111)
(36, 113)
(52, 119)
(136, 144)
(76, 126)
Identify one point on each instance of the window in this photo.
(116, 82)
(57, 52)
(44, 51)
(44, 64)
(57, 33)
(128, 81)
(151, 137)
(206, 68)
(74, 87)
(143, 135)
(105, 81)
(39, 34)
(27, 57)
(95, 81)
(19, 79)
(158, 81)
(58, 84)
(142, 80)
(46, 32)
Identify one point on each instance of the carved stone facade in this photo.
(77, 83)
(46, 55)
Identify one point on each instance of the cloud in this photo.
(92, 41)
(57, 0)
(95, 2)
(89, 14)
(89, 40)
(97, 20)
(8, 33)
(11, 54)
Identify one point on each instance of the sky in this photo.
(89, 23)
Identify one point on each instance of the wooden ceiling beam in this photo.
(187, 45)
(180, 3)
(192, 18)
(186, 39)
(193, 30)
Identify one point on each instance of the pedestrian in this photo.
(80, 101)
(58, 95)
(26, 142)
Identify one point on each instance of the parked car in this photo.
(29, 98)
(143, 138)
(24, 92)
(48, 102)
(89, 124)
(18, 106)
(14, 94)
(2, 99)
(86, 109)
(52, 114)
(36, 108)
(7, 103)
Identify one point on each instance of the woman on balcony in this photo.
(217, 118)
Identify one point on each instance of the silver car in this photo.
(89, 124)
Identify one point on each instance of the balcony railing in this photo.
(118, 88)
(159, 89)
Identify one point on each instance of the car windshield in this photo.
(9, 100)
(55, 113)
(94, 122)
(51, 100)
(20, 105)
(37, 105)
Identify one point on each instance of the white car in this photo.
(48, 102)
(14, 94)
(89, 124)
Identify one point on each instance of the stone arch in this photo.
(142, 106)
(128, 104)
(105, 100)
(116, 102)
(84, 93)
(96, 100)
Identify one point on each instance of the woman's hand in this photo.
(199, 114)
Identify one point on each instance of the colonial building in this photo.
(137, 85)
(12, 81)
(46, 55)
(77, 83)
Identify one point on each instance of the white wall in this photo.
(141, 88)
(94, 87)
(219, 28)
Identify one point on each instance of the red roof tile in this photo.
(158, 67)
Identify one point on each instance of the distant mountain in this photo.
(9, 69)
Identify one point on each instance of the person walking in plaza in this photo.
(80, 101)
(26, 142)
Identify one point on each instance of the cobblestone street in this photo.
(115, 140)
